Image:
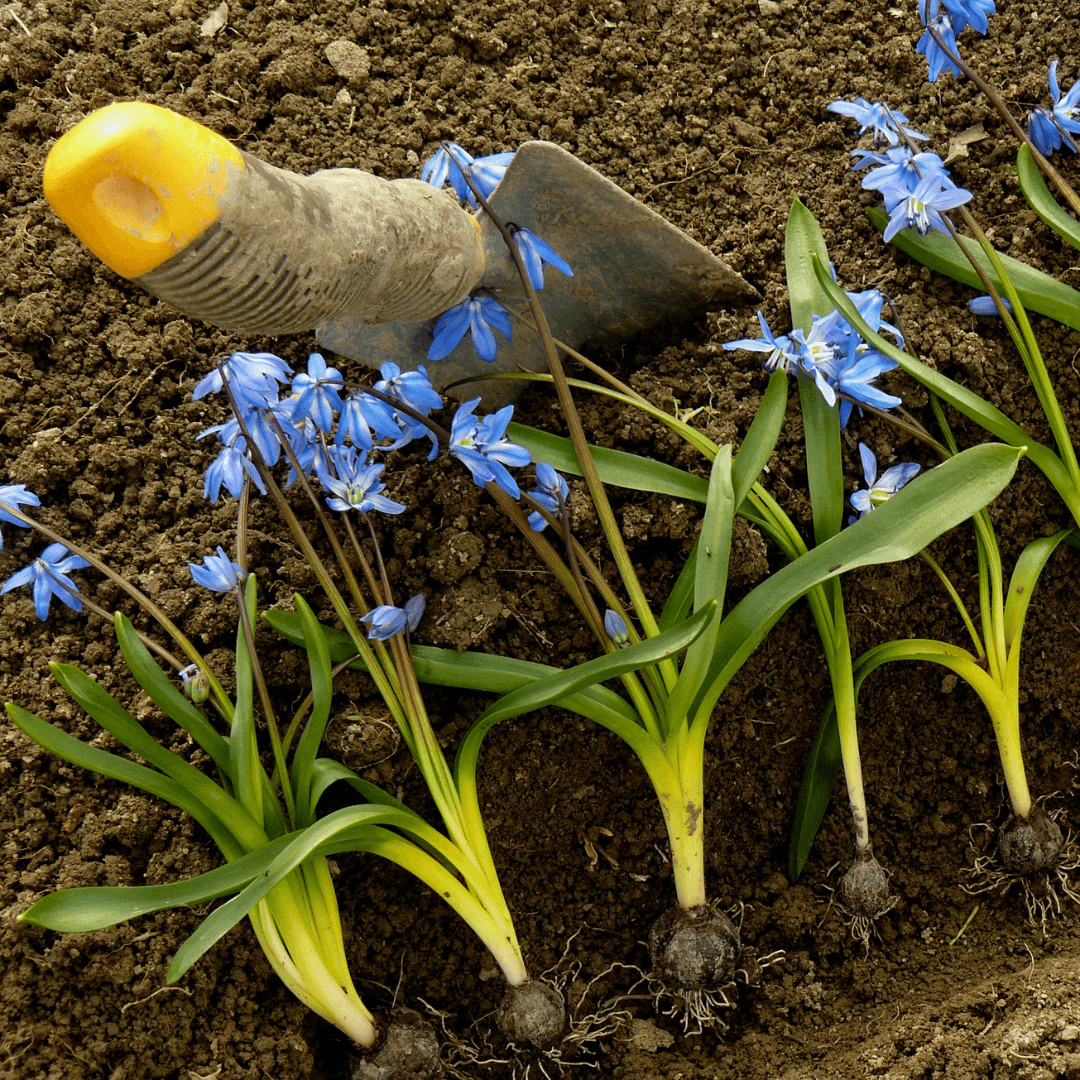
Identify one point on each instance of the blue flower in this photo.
(413, 388)
(1049, 128)
(307, 445)
(869, 305)
(264, 436)
(935, 57)
(487, 173)
(1042, 132)
(47, 576)
(551, 494)
(360, 415)
(409, 429)
(880, 491)
(834, 355)
(819, 349)
(615, 625)
(232, 465)
(855, 381)
(448, 167)
(386, 621)
(923, 208)
(900, 173)
(857, 365)
(984, 305)
(535, 253)
(218, 572)
(963, 13)
(482, 447)
(783, 352)
(476, 315)
(443, 167)
(317, 393)
(1067, 107)
(15, 495)
(353, 484)
(876, 119)
(253, 378)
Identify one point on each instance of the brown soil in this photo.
(714, 114)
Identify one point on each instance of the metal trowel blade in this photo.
(632, 270)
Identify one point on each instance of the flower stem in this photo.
(280, 762)
(1066, 190)
(140, 598)
(577, 436)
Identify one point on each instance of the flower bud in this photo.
(615, 625)
(196, 683)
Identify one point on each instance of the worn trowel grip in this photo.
(246, 246)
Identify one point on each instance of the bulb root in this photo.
(532, 1014)
(699, 964)
(1033, 856)
(863, 895)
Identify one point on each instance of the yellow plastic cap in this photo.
(137, 183)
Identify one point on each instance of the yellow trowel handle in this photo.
(246, 246)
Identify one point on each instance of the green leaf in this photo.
(570, 689)
(1038, 291)
(826, 756)
(346, 827)
(322, 690)
(681, 598)
(562, 684)
(616, 466)
(712, 553)
(930, 505)
(803, 243)
(711, 564)
(760, 441)
(680, 427)
(1025, 577)
(327, 772)
(73, 910)
(464, 670)
(815, 792)
(804, 250)
(67, 747)
(1042, 202)
(963, 400)
(119, 723)
(166, 696)
(804, 246)
(824, 465)
(826, 759)
(477, 904)
(488, 674)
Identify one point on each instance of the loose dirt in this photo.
(713, 114)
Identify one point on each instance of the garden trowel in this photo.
(368, 263)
